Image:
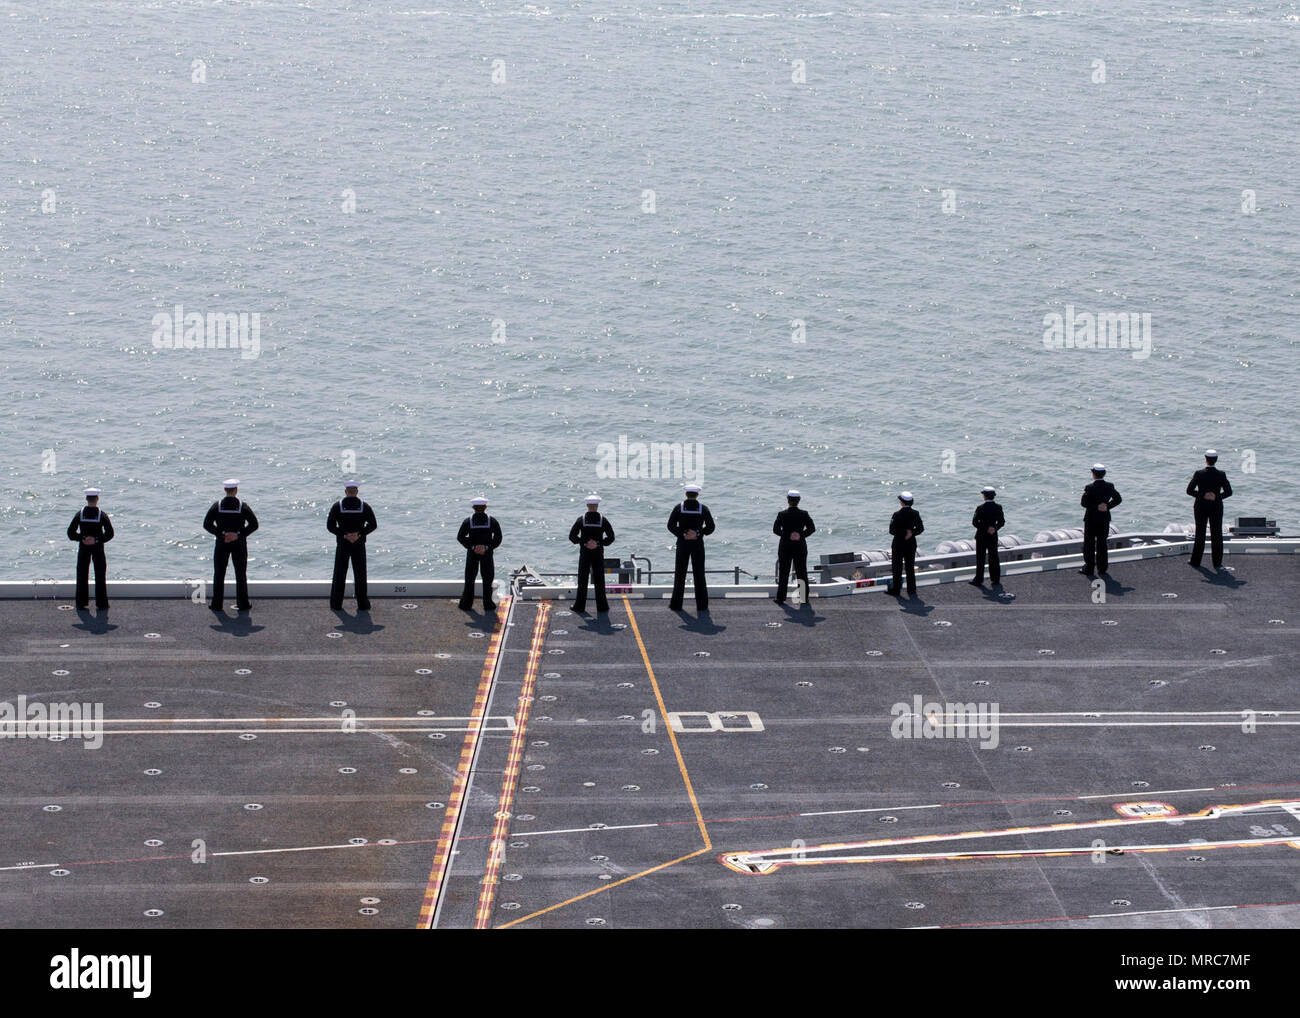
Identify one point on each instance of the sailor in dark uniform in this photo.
(793, 526)
(91, 529)
(230, 520)
(691, 522)
(905, 525)
(350, 520)
(479, 535)
(592, 534)
(987, 521)
(1209, 486)
(1099, 498)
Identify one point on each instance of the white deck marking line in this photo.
(1260, 723)
(824, 854)
(578, 830)
(1160, 911)
(1144, 793)
(273, 731)
(1096, 915)
(873, 809)
(40, 866)
(323, 719)
(1026, 853)
(304, 848)
(1124, 713)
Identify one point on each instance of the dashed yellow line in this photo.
(510, 778)
(451, 819)
(686, 779)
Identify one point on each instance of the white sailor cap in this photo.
(792, 493)
(1211, 454)
(478, 503)
(988, 489)
(231, 482)
(91, 493)
(593, 500)
(1098, 468)
(351, 484)
(905, 496)
(692, 489)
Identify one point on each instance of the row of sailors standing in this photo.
(231, 520)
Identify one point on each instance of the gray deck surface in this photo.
(599, 808)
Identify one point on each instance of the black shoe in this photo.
(976, 583)
(488, 606)
(674, 607)
(244, 607)
(701, 609)
(1194, 565)
(581, 609)
(891, 592)
(602, 611)
(779, 600)
(216, 608)
(464, 607)
(364, 607)
(336, 607)
(1086, 573)
(83, 607)
(102, 607)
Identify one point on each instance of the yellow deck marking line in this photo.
(663, 711)
(510, 778)
(743, 862)
(607, 887)
(686, 779)
(451, 819)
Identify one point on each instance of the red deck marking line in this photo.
(509, 779)
(451, 819)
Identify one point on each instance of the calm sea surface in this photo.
(816, 244)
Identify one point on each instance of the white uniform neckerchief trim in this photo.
(98, 517)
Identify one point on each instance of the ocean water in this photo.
(816, 244)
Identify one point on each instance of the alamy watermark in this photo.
(217, 330)
(77, 971)
(644, 460)
(55, 721)
(1083, 330)
(923, 720)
